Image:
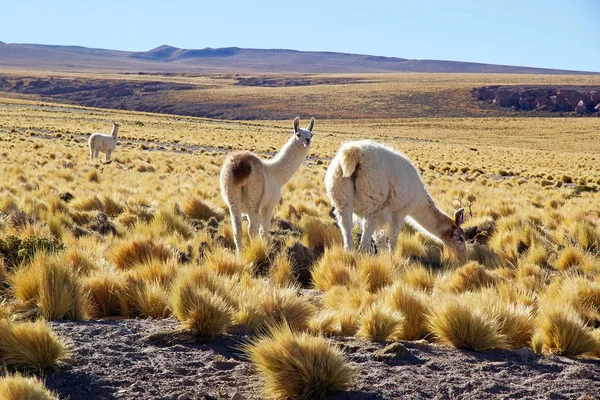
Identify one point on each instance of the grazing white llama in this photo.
(252, 186)
(383, 187)
(100, 142)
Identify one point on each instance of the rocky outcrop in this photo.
(572, 100)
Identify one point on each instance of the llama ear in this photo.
(459, 217)
(296, 124)
(311, 124)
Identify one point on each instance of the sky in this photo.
(562, 34)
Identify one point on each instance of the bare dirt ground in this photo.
(111, 360)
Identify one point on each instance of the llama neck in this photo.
(430, 217)
(115, 131)
(287, 161)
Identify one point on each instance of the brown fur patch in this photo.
(241, 165)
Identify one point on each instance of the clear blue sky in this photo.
(561, 34)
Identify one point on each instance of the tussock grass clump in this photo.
(18, 387)
(419, 278)
(31, 345)
(470, 277)
(78, 261)
(104, 293)
(515, 321)
(126, 255)
(225, 262)
(52, 286)
(379, 323)
(197, 209)
(483, 255)
(325, 322)
(375, 272)
(145, 299)
(336, 267)
(167, 221)
(60, 293)
(157, 271)
(298, 365)
(580, 293)
(93, 176)
(318, 235)
(92, 203)
(285, 305)
(204, 313)
(564, 333)
(413, 304)
(569, 258)
(111, 207)
(454, 321)
(282, 272)
(258, 255)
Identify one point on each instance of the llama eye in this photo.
(297, 134)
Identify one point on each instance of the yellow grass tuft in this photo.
(413, 304)
(325, 322)
(92, 203)
(285, 305)
(31, 345)
(258, 255)
(197, 209)
(167, 221)
(569, 258)
(78, 261)
(93, 176)
(318, 235)
(379, 323)
(204, 313)
(282, 273)
(419, 277)
(336, 267)
(126, 255)
(376, 272)
(298, 365)
(145, 298)
(471, 276)
(225, 262)
(104, 293)
(455, 322)
(18, 387)
(60, 293)
(564, 332)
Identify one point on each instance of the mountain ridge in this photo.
(166, 58)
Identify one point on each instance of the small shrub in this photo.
(93, 176)
(17, 251)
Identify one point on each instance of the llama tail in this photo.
(351, 157)
(240, 168)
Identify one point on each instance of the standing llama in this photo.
(100, 142)
(252, 186)
(382, 186)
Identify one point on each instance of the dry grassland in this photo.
(126, 239)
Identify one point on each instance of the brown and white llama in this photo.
(252, 186)
(106, 144)
(382, 187)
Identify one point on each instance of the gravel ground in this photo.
(111, 360)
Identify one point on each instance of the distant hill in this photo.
(235, 60)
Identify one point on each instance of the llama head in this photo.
(303, 137)
(115, 123)
(454, 238)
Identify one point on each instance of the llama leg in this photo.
(265, 226)
(395, 227)
(367, 231)
(345, 222)
(91, 153)
(253, 224)
(108, 153)
(233, 201)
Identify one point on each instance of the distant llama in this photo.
(252, 186)
(382, 187)
(100, 142)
